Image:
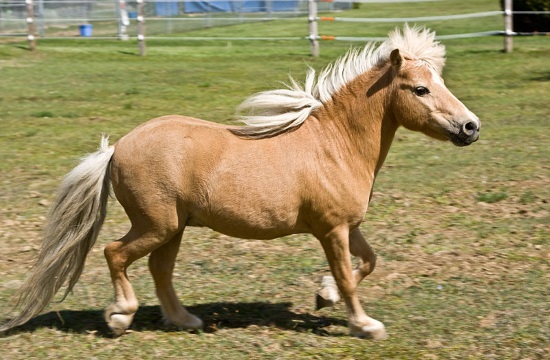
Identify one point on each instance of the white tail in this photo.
(72, 229)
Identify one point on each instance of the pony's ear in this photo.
(396, 59)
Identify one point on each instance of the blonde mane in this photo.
(273, 112)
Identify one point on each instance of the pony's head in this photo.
(421, 101)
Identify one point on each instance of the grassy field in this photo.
(463, 234)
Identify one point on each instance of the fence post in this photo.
(141, 26)
(30, 24)
(123, 20)
(508, 26)
(313, 32)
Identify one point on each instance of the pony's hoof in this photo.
(328, 295)
(323, 300)
(119, 323)
(374, 330)
(191, 322)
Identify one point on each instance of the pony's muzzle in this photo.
(471, 129)
(468, 133)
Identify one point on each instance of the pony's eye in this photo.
(421, 91)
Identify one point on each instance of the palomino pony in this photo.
(305, 163)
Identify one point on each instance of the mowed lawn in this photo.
(462, 234)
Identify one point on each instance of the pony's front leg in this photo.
(360, 248)
(328, 293)
(336, 247)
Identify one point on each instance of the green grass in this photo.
(492, 197)
(462, 234)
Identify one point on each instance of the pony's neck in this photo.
(360, 115)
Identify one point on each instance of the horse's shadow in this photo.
(542, 76)
(216, 316)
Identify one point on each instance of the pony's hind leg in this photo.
(161, 265)
(121, 254)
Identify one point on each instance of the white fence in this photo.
(62, 18)
(124, 19)
(507, 14)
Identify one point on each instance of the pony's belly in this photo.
(262, 225)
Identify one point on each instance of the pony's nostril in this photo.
(470, 128)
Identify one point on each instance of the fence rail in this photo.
(412, 19)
